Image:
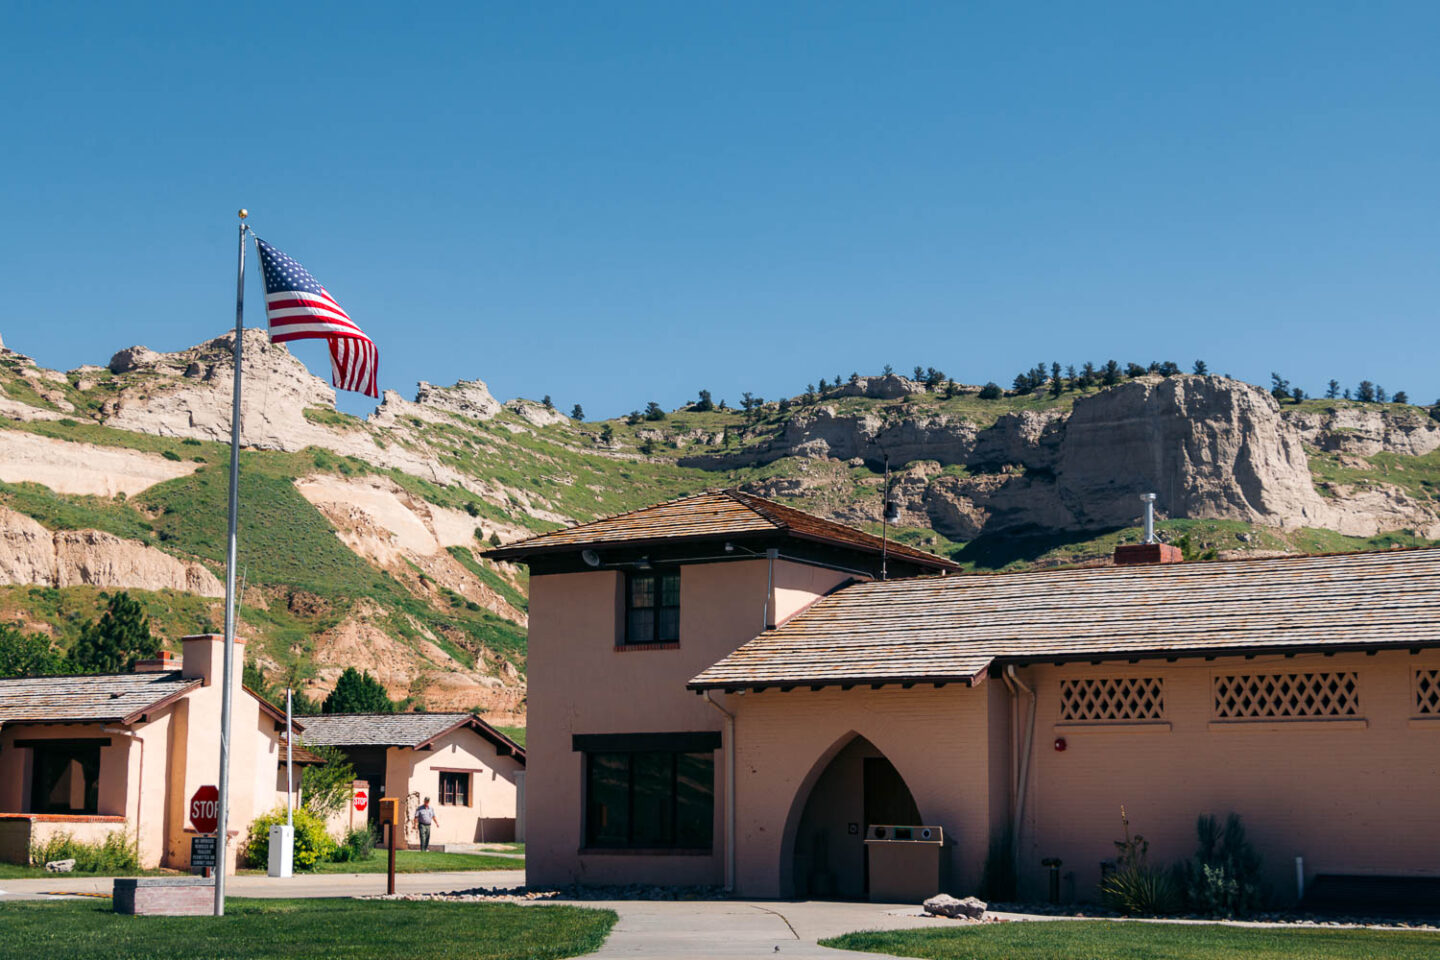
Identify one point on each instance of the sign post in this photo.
(389, 817)
(204, 815)
(362, 800)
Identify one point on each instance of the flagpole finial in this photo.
(244, 213)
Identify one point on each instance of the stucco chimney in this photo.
(204, 656)
(160, 663)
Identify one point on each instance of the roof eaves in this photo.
(160, 704)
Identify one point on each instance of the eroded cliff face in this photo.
(1210, 447)
(33, 555)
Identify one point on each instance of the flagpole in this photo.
(229, 656)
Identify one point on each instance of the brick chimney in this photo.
(204, 657)
(1152, 550)
(162, 662)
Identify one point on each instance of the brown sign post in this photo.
(390, 818)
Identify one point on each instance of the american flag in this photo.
(300, 309)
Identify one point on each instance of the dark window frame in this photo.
(455, 788)
(678, 841)
(661, 630)
(44, 753)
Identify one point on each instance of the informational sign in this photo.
(202, 852)
(362, 800)
(205, 809)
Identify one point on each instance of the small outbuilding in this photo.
(473, 774)
(99, 754)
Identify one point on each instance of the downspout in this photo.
(729, 792)
(139, 786)
(770, 556)
(1024, 781)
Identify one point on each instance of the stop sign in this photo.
(362, 800)
(205, 809)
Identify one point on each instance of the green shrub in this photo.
(991, 391)
(1223, 878)
(358, 844)
(190, 442)
(1134, 887)
(116, 854)
(312, 843)
(169, 454)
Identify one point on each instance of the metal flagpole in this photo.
(289, 758)
(224, 806)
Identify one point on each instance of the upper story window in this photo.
(652, 607)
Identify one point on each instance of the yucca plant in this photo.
(1134, 887)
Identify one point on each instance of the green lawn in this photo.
(413, 861)
(14, 871)
(346, 929)
(1101, 940)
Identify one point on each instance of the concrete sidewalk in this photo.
(696, 930)
(300, 885)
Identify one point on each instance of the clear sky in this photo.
(616, 202)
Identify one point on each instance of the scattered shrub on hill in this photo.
(1223, 878)
(653, 411)
(312, 843)
(190, 442)
(991, 391)
(169, 454)
(577, 413)
(116, 854)
(1400, 397)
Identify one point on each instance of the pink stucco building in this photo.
(723, 691)
(92, 755)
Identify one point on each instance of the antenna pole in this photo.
(222, 816)
(885, 523)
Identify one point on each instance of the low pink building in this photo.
(722, 691)
(95, 754)
(473, 774)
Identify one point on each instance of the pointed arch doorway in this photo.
(859, 786)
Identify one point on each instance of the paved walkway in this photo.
(694, 930)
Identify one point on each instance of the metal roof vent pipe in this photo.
(1151, 550)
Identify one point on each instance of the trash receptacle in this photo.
(904, 862)
(282, 850)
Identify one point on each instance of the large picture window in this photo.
(650, 800)
(652, 608)
(65, 777)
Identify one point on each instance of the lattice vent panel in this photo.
(1112, 698)
(1284, 695)
(1427, 692)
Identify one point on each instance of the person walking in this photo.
(424, 818)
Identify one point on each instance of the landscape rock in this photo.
(61, 866)
(536, 414)
(469, 398)
(944, 905)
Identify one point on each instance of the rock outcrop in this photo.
(82, 468)
(1367, 430)
(32, 554)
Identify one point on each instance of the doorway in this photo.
(859, 787)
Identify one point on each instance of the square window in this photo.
(652, 608)
(454, 789)
(650, 800)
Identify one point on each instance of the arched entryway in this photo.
(859, 786)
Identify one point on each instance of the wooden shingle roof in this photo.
(722, 513)
(951, 629)
(94, 698)
(412, 730)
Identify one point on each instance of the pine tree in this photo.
(919, 373)
(809, 393)
(1056, 385)
(577, 412)
(633, 417)
(991, 391)
(607, 434)
(1111, 375)
(1088, 375)
(1380, 395)
(1365, 393)
(1400, 397)
(1133, 370)
(1200, 370)
(1332, 390)
(653, 411)
(888, 370)
(549, 404)
(1279, 387)
(120, 637)
(357, 692)
(704, 404)
(1297, 394)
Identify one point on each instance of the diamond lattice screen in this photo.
(1282, 695)
(1112, 698)
(1427, 691)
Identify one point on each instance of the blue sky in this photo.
(617, 202)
